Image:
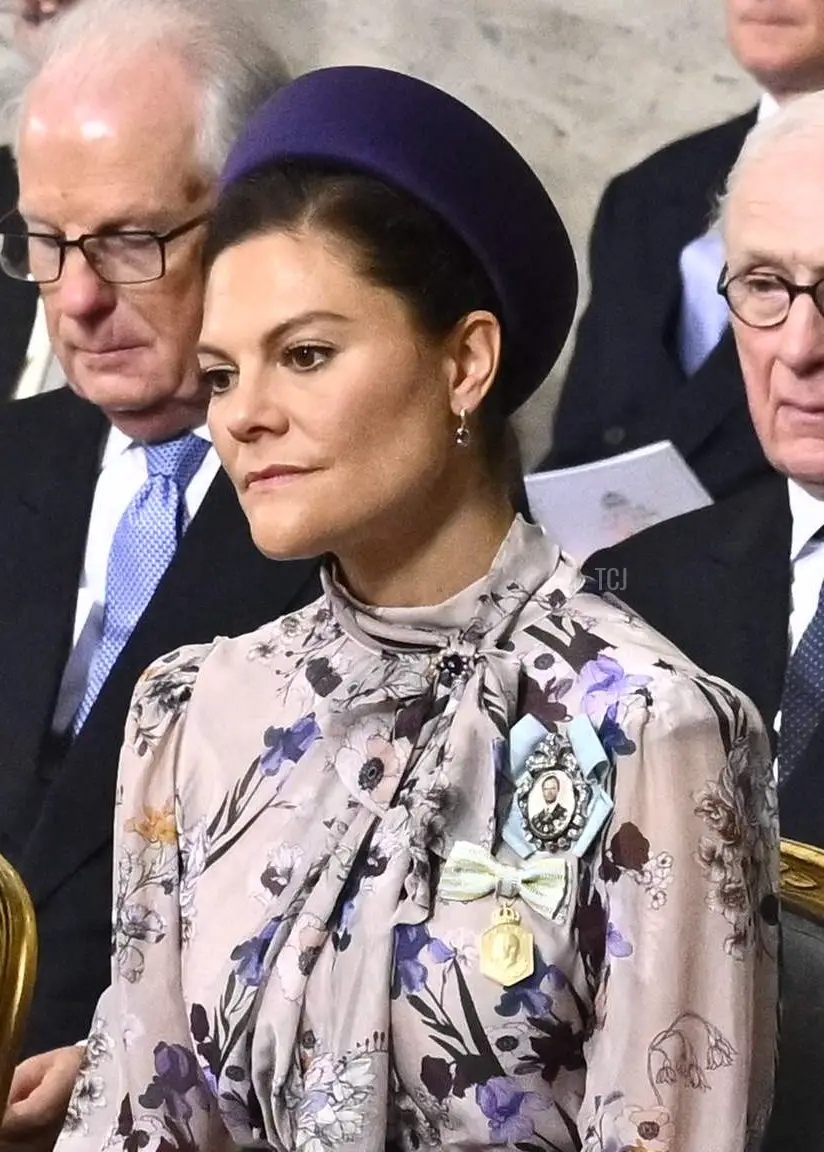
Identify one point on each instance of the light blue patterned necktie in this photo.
(802, 703)
(142, 549)
(704, 315)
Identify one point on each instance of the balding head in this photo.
(219, 44)
(98, 153)
(124, 129)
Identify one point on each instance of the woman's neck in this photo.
(416, 563)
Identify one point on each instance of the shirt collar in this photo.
(767, 106)
(118, 443)
(807, 515)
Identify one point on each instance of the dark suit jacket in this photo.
(625, 386)
(56, 805)
(18, 300)
(717, 583)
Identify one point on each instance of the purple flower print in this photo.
(526, 996)
(249, 955)
(177, 1074)
(440, 952)
(501, 1102)
(410, 974)
(614, 739)
(616, 944)
(605, 683)
(288, 745)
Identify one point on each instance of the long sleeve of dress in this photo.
(680, 1059)
(137, 1091)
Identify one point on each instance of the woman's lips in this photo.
(275, 476)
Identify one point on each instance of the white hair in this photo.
(801, 118)
(220, 43)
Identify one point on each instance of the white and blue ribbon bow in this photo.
(471, 872)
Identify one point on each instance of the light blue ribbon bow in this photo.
(593, 763)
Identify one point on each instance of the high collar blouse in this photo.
(287, 970)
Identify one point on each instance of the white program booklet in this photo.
(596, 505)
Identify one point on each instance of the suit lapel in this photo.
(753, 596)
(44, 510)
(701, 402)
(218, 584)
(686, 215)
(706, 399)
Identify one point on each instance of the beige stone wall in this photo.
(583, 87)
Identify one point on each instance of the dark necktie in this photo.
(802, 704)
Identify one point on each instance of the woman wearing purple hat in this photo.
(461, 856)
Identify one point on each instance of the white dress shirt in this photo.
(767, 105)
(806, 558)
(122, 473)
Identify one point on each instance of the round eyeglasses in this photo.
(131, 256)
(764, 299)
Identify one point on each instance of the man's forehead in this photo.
(776, 205)
(107, 165)
(781, 173)
(105, 197)
(150, 100)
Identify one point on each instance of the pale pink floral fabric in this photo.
(285, 972)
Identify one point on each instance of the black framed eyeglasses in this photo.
(764, 299)
(131, 256)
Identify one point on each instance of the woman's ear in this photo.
(475, 352)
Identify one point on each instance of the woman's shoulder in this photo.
(168, 686)
(278, 644)
(605, 654)
(583, 624)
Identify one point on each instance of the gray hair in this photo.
(220, 43)
(801, 118)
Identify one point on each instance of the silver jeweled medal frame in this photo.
(553, 825)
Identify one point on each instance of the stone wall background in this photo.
(583, 87)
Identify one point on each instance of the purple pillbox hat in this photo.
(419, 139)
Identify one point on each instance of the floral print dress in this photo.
(287, 971)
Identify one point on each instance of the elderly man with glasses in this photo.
(122, 539)
(740, 586)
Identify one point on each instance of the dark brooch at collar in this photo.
(452, 667)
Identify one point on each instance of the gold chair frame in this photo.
(802, 879)
(18, 968)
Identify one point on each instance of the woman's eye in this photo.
(217, 379)
(307, 357)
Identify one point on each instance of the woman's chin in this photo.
(285, 543)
